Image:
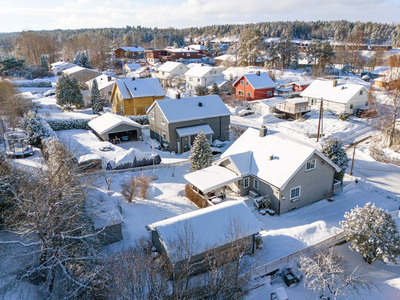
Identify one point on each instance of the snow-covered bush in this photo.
(143, 119)
(201, 156)
(32, 83)
(66, 124)
(373, 233)
(37, 128)
(334, 151)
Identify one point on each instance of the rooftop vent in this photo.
(135, 88)
(271, 157)
(133, 78)
(263, 131)
(178, 96)
(200, 104)
(258, 73)
(108, 78)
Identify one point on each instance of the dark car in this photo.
(365, 113)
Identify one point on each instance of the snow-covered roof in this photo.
(197, 47)
(200, 71)
(133, 66)
(194, 130)
(259, 80)
(250, 154)
(129, 156)
(180, 50)
(228, 57)
(102, 81)
(211, 178)
(301, 83)
(132, 49)
(148, 87)
(63, 64)
(108, 121)
(325, 89)
(78, 69)
(88, 157)
(210, 227)
(270, 102)
(106, 219)
(186, 109)
(297, 100)
(169, 66)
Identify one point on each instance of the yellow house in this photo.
(135, 96)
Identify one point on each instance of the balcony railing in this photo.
(283, 107)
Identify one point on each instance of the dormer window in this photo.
(310, 165)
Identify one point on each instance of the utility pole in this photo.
(352, 160)
(321, 116)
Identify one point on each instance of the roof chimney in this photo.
(133, 78)
(108, 78)
(263, 131)
(271, 157)
(200, 104)
(258, 73)
(178, 96)
(334, 83)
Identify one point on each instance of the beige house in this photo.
(171, 72)
(204, 76)
(260, 164)
(82, 74)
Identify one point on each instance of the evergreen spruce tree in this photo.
(78, 58)
(373, 233)
(200, 90)
(95, 98)
(68, 93)
(201, 156)
(44, 62)
(214, 89)
(82, 60)
(334, 151)
(36, 128)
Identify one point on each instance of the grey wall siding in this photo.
(266, 189)
(220, 126)
(315, 185)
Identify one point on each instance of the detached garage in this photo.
(109, 127)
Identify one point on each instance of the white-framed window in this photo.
(295, 193)
(188, 54)
(241, 93)
(310, 165)
(361, 92)
(164, 136)
(247, 83)
(162, 73)
(351, 106)
(366, 103)
(198, 79)
(256, 184)
(152, 115)
(269, 94)
(241, 82)
(246, 182)
(248, 95)
(190, 79)
(109, 93)
(162, 121)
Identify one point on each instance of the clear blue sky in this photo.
(70, 14)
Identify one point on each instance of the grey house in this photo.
(176, 122)
(211, 228)
(110, 126)
(292, 174)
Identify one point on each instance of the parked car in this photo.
(49, 93)
(245, 112)
(365, 113)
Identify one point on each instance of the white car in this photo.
(245, 112)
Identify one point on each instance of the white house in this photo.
(105, 84)
(204, 76)
(337, 97)
(61, 65)
(170, 70)
(131, 67)
(265, 106)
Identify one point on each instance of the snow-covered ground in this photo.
(282, 235)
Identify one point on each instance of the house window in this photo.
(190, 79)
(361, 92)
(241, 93)
(162, 121)
(188, 54)
(246, 182)
(351, 106)
(295, 193)
(198, 79)
(109, 93)
(247, 83)
(162, 73)
(256, 184)
(366, 103)
(164, 136)
(152, 115)
(248, 95)
(310, 165)
(241, 82)
(269, 94)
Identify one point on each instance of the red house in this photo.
(300, 86)
(120, 52)
(254, 86)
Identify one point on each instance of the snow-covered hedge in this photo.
(142, 120)
(66, 124)
(32, 83)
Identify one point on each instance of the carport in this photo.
(186, 135)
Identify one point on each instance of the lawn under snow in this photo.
(282, 235)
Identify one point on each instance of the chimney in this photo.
(263, 131)
(200, 104)
(178, 96)
(133, 78)
(271, 157)
(334, 83)
(258, 73)
(108, 78)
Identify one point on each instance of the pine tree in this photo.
(201, 156)
(214, 89)
(82, 60)
(44, 62)
(68, 93)
(334, 151)
(95, 98)
(199, 90)
(36, 128)
(373, 233)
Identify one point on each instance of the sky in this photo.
(22, 15)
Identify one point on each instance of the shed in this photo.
(110, 126)
(265, 106)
